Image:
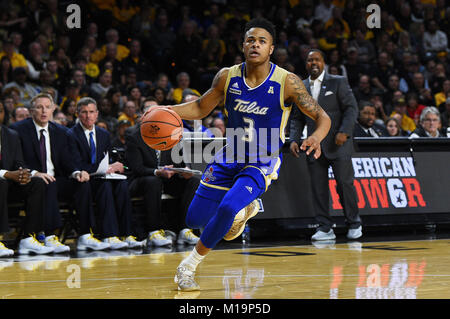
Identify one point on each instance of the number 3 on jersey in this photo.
(249, 129)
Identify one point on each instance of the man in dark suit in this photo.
(148, 180)
(334, 95)
(16, 184)
(366, 125)
(88, 145)
(46, 153)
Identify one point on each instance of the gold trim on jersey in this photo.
(268, 178)
(279, 75)
(233, 71)
(215, 186)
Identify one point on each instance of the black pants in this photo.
(343, 173)
(113, 206)
(34, 195)
(152, 187)
(77, 194)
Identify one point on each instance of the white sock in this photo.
(193, 260)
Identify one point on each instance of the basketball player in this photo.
(258, 96)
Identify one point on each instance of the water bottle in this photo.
(246, 235)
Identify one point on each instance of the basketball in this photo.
(161, 128)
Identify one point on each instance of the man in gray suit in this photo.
(335, 96)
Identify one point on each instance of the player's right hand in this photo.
(295, 150)
(311, 144)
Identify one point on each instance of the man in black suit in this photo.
(46, 153)
(148, 180)
(89, 144)
(366, 125)
(16, 184)
(334, 95)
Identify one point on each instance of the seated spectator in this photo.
(69, 108)
(429, 125)
(19, 113)
(401, 109)
(6, 71)
(334, 59)
(110, 62)
(119, 140)
(105, 114)
(434, 40)
(16, 184)
(148, 179)
(421, 88)
(393, 86)
(441, 97)
(112, 36)
(354, 68)
(163, 82)
(116, 99)
(364, 90)
(160, 96)
(381, 71)
(17, 59)
(100, 88)
(145, 73)
(414, 108)
(365, 125)
(72, 93)
(281, 58)
(436, 78)
(393, 128)
(129, 113)
(60, 118)
(135, 95)
(445, 115)
(35, 61)
(183, 82)
(26, 90)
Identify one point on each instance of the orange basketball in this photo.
(161, 128)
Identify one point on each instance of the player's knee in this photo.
(228, 210)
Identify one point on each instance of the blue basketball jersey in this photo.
(258, 117)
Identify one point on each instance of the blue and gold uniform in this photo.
(244, 168)
(257, 118)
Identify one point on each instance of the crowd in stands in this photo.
(130, 52)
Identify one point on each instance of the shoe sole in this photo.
(324, 238)
(354, 237)
(30, 251)
(85, 248)
(232, 234)
(196, 288)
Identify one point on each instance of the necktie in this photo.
(43, 151)
(92, 145)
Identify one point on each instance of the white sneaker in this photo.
(53, 241)
(186, 236)
(241, 218)
(320, 235)
(185, 279)
(354, 233)
(32, 245)
(115, 242)
(4, 251)
(88, 241)
(158, 238)
(170, 235)
(133, 243)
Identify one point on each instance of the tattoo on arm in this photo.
(302, 98)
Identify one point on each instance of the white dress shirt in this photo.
(50, 166)
(316, 85)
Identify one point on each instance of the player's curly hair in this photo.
(261, 23)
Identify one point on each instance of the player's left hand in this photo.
(311, 144)
(340, 138)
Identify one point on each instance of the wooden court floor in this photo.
(412, 269)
